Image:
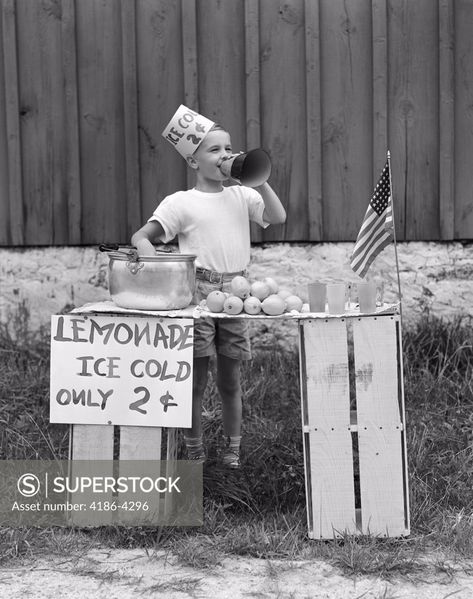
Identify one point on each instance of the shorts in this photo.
(226, 336)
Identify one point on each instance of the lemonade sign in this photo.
(123, 370)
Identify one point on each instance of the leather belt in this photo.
(217, 277)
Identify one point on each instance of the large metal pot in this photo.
(162, 282)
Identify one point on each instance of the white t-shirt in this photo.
(213, 226)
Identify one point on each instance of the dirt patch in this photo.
(123, 574)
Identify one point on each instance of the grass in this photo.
(439, 401)
(260, 511)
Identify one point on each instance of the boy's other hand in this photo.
(145, 248)
(142, 239)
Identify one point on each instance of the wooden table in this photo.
(353, 420)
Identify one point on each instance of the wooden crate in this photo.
(97, 442)
(353, 423)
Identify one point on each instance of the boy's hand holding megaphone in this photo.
(249, 168)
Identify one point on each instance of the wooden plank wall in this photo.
(86, 87)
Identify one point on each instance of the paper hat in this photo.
(186, 130)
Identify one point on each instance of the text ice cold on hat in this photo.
(187, 130)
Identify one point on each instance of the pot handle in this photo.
(109, 247)
(133, 263)
(114, 247)
(131, 252)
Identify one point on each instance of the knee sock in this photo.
(195, 447)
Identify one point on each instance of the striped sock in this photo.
(195, 449)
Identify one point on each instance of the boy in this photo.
(212, 222)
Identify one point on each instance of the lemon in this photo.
(240, 287)
(260, 290)
(215, 301)
(271, 283)
(252, 305)
(273, 305)
(294, 302)
(284, 293)
(233, 305)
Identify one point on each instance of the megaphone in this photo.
(251, 168)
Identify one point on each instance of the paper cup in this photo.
(317, 296)
(367, 296)
(336, 298)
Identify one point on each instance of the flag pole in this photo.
(394, 238)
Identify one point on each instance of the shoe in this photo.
(231, 458)
(195, 450)
(198, 458)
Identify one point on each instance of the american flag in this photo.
(377, 229)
